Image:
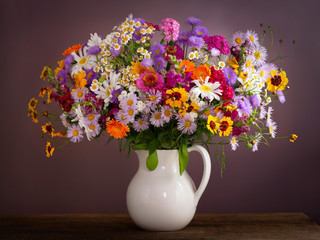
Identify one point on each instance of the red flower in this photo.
(227, 92)
(66, 102)
(217, 76)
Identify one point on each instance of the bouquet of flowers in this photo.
(189, 87)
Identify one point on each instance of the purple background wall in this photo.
(91, 177)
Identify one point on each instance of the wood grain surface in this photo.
(119, 226)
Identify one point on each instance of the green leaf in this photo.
(152, 160)
(183, 155)
(141, 146)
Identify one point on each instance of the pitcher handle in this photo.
(206, 170)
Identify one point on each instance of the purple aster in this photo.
(200, 31)
(281, 96)
(141, 20)
(184, 37)
(95, 128)
(157, 49)
(147, 62)
(129, 101)
(156, 119)
(243, 105)
(196, 42)
(91, 75)
(67, 62)
(186, 124)
(141, 124)
(94, 50)
(114, 52)
(158, 62)
(62, 76)
(230, 76)
(114, 96)
(193, 21)
(75, 133)
(255, 101)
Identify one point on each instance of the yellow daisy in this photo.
(49, 149)
(48, 128)
(176, 97)
(32, 104)
(193, 107)
(213, 124)
(277, 82)
(44, 73)
(225, 127)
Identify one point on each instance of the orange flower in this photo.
(49, 149)
(117, 129)
(80, 79)
(137, 68)
(72, 49)
(201, 71)
(189, 66)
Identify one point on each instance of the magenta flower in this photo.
(170, 28)
(218, 42)
(149, 80)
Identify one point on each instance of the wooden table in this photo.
(120, 226)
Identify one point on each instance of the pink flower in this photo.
(170, 28)
(218, 42)
(150, 80)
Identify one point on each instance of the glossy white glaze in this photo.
(162, 200)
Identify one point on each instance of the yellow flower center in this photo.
(271, 129)
(248, 64)
(261, 74)
(90, 117)
(167, 113)
(205, 88)
(187, 123)
(153, 98)
(251, 39)
(238, 41)
(140, 122)
(75, 132)
(233, 140)
(257, 55)
(130, 112)
(207, 112)
(92, 126)
(157, 116)
(89, 75)
(129, 102)
(83, 60)
(80, 94)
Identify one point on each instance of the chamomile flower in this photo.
(221, 64)
(252, 37)
(186, 124)
(75, 133)
(206, 89)
(234, 143)
(156, 119)
(83, 61)
(79, 93)
(238, 38)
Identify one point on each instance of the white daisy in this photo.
(256, 141)
(265, 70)
(234, 143)
(206, 89)
(81, 121)
(272, 129)
(238, 38)
(252, 37)
(83, 61)
(260, 55)
(94, 40)
(268, 116)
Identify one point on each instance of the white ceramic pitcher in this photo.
(162, 200)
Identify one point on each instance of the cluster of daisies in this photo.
(189, 87)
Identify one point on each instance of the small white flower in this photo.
(256, 141)
(234, 143)
(141, 106)
(272, 129)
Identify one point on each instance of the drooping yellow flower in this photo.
(176, 97)
(48, 128)
(277, 82)
(32, 103)
(49, 95)
(293, 137)
(34, 115)
(80, 79)
(43, 91)
(49, 149)
(213, 124)
(233, 63)
(44, 73)
(117, 129)
(225, 127)
(193, 107)
(60, 134)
